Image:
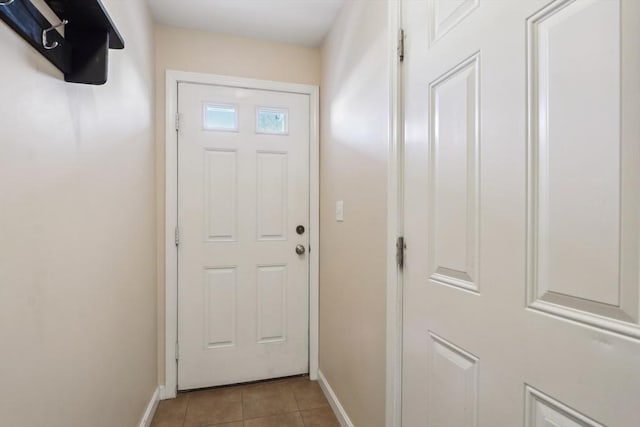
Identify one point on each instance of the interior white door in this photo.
(243, 213)
(522, 175)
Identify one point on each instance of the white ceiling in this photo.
(301, 22)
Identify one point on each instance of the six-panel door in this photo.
(522, 174)
(243, 183)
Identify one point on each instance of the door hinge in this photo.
(177, 350)
(177, 122)
(177, 236)
(401, 45)
(400, 247)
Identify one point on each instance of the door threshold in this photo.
(267, 380)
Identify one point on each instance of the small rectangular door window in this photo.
(222, 117)
(272, 120)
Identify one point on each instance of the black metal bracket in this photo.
(83, 53)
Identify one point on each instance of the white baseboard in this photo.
(151, 409)
(341, 414)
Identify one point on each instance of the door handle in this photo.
(300, 249)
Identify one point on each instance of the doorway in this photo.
(242, 195)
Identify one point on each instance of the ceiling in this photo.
(301, 22)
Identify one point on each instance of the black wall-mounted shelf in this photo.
(83, 53)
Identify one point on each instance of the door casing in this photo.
(169, 389)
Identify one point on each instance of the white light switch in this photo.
(340, 210)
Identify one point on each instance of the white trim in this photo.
(164, 394)
(338, 410)
(151, 408)
(171, 190)
(395, 228)
(314, 231)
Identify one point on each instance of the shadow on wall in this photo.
(357, 73)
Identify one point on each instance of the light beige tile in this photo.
(308, 395)
(283, 420)
(224, 393)
(215, 406)
(321, 417)
(171, 412)
(270, 398)
(297, 378)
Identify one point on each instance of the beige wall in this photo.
(196, 51)
(77, 233)
(354, 151)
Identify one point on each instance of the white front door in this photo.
(243, 213)
(522, 291)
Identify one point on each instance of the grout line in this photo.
(184, 418)
(295, 398)
(272, 415)
(242, 390)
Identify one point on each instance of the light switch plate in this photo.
(340, 210)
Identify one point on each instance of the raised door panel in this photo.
(221, 195)
(272, 303)
(220, 307)
(453, 388)
(583, 198)
(544, 411)
(272, 184)
(454, 147)
(446, 14)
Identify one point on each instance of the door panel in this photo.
(453, 391)
(454, 175)
(221, 195)
(272, 196)
(579, 190)
(220, 307)
(272, 298)
(522, 175)
(243, 184)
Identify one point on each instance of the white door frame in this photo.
(171, 209)
(395, 222)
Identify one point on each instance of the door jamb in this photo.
(169, 390)
(395, 223)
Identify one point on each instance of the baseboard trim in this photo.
(341, 414)
(151, 409)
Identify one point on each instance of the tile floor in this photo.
(289, 402)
